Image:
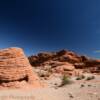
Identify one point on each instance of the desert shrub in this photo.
(90, 78)
(80, 77)
(82, 85)
(66, 80)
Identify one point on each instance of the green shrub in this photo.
(66, 80)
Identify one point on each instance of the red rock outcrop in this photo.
(64, 60)
(61, 56)
(15, 70)
(64, 67)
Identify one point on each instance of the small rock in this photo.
(70, 95)
(89, 85)
(82, 85)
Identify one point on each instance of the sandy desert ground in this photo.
(79, 90)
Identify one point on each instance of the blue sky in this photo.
(49, 25)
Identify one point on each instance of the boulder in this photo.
(64, 67)
(15, 69)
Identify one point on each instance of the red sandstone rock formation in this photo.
(64, 59)
(15, 70)
(64, 67)
(61, 56)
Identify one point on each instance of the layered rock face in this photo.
(15, 70)
(61, 56)
(65, 61)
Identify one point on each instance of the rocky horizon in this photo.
(65, 58)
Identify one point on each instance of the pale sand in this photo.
(68, 92)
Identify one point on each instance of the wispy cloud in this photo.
(97, 51)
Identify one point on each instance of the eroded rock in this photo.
(15, 70)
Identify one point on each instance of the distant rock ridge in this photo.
(61, 60)
(62, 56)
(15, 70)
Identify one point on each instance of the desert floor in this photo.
(79, 90)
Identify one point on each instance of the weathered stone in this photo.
(15, 68)
(61, 56)
(64, 61)
(65, 67)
